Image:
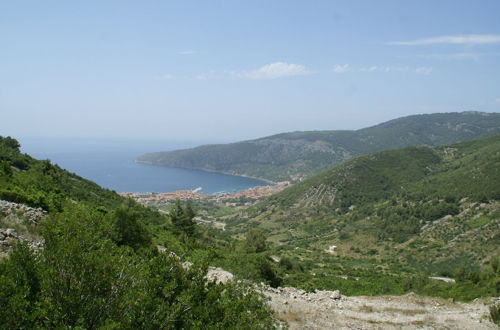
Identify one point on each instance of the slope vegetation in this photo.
(95, 265)
(419, 209)
(24, 179)
(293, 156)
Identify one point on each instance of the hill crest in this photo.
(297, 155)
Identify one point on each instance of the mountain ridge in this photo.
(296, 155)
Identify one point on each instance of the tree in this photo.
(130, 230)
(183, 218)
(255, 241)
(269, 272)
(10, 143)
(189, 211)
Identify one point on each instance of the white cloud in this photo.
(275, 70)
(464, 39)
(497, 100)
(269, 71)
(418, 70)
(186, 52)
(454, 56)
(282, 69)
(341, 68)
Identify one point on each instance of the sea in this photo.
(110, 163)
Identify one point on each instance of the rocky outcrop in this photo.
(219, 275)
(9, 238)
(22, 212)
(214, 274)
(22, 217)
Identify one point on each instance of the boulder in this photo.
(10, 232)
(219, 275)
(336, 295)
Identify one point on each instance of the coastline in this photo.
(253, 194)
(210, 171)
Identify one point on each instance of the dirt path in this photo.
(329, 310)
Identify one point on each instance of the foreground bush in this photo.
(84, 279)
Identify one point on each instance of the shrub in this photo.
(495, 313)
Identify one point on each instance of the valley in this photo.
(417, 227)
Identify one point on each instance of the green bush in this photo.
(495, 313)
(129, 228)
(84, 279)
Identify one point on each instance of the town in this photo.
(247, 196)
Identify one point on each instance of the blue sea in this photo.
(110, 163)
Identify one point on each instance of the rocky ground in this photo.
(332, 310)
(21, 212)
(17, 223)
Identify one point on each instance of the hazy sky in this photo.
(231, 70)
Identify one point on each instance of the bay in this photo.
(110, 163)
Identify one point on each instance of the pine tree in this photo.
(182, 218)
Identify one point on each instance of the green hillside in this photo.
(419, 209)
(468, 169)
(24, 179)
(293, 156)
(96, 264)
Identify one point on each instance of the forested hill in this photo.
(419, 208)
(465, 170)
(296, 155)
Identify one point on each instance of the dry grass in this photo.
(290, 316)
(409, 312)
(366, 309)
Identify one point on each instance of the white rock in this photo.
(335, 295)
(11, 232)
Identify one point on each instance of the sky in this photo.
(232, 70)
